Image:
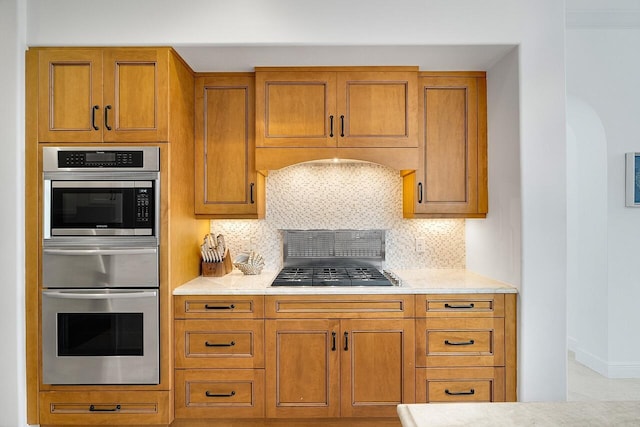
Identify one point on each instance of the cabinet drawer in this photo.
(219, 343)
(339, 307)
(463, 305)
(220, 307)
(459, 385)
(104, 407)
(460, 342)
(214, 393)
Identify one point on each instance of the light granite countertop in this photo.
(420, 281)
(541, 414)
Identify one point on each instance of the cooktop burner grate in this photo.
(331, 276)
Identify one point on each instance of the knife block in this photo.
(218, 269)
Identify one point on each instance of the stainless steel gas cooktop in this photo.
(333, 258)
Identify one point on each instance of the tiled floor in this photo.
(586, 384)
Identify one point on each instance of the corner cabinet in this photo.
(451, 181)
(325, 112)
(103, 95)
(226, 182)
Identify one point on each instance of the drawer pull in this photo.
(209, 394)
(215, 344)
(460, 393)
(93, 408)
(470, 342)
(459, 307)
(219, 307)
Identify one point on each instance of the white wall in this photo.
(602, 70)
(587, 311)
(537, 27)
(12, 45)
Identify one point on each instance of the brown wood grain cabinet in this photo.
(103, 95)
(227, 183)
(219, 347)
(327, 112)
(451, 180)
(63, 85)
(321, 353)
(465, 348)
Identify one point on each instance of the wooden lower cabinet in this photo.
(219, 393)
(339, 368)
(339, 360)
(465, 348)
(460, 385)
(105, 407)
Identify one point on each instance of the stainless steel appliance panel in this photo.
(100, 336)
(100, 267)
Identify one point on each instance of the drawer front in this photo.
(444, 342)
(218, 307)
(105, 407)
(216, 393)
(219, 343)
(463, 305)
(339, 307)
(460, 385)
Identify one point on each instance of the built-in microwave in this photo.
(100, 192)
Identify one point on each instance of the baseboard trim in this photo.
(604, 368)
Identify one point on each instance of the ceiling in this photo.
(245, 58)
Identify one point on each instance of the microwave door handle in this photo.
(100, 295)
(123, 251)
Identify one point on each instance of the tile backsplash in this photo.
(345, 196)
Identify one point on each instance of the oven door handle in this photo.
(100, 294)
(110, 251)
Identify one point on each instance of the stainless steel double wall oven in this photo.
(100, 273)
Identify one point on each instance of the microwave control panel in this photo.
(144, 205)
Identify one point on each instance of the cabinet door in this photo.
(378, 366)
(136, 88)
(302, 368)
(452, 176)
(295, 109)
(70, 95)
(226, 180)
(377, 109)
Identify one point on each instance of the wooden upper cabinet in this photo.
(377, 109)
(295, 109)
(103, 95)
(227, 184)
(452, 178)
(70, 95)
(336, 108)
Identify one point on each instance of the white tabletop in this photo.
(541, 414)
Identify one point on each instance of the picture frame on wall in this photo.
(632, 189)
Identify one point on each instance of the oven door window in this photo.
(100, 334)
